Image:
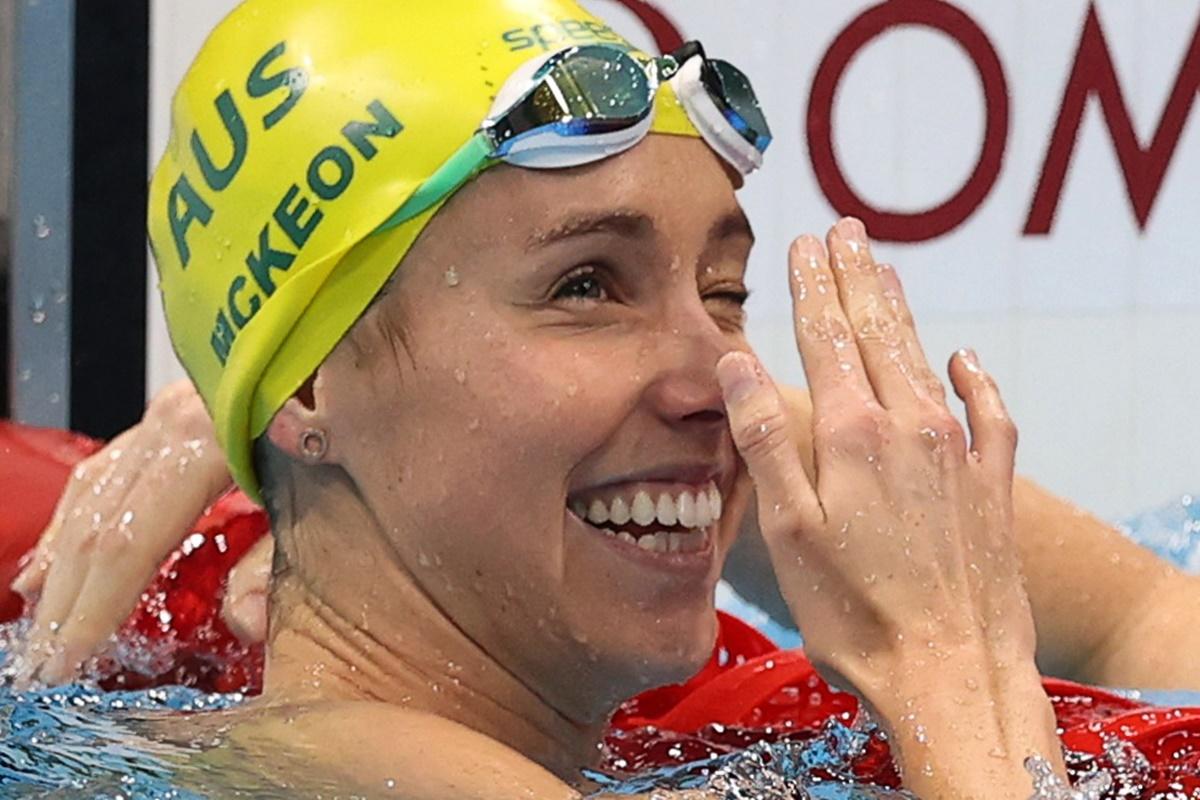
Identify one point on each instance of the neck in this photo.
(370, 632)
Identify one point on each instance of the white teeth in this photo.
(626, 537)
(714, 502)
(620, 511)
(694, 509)
(597, 513)
(609, 532)
(687, 510)
(666, 509)
(647, 543)
(703, 511)
(642, 509)
(676, 542)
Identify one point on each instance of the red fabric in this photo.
(749, 690)
(762, 693)
(34, 466)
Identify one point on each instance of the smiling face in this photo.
(545, 357)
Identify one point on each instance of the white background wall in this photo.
(1090, 329)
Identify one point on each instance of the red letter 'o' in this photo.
(890, 225)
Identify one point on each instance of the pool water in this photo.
(77, 742)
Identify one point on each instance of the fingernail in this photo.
(738, 373)
(970, 358)
(20, 584)
(54, 671)
(852, 230)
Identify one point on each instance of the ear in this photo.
(303, 415)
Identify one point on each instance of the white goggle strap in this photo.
(717, 131)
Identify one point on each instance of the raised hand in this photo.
(124, 510)
(898, 562)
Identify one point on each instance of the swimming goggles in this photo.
(587, 103)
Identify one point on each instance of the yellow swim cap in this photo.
(299, 129)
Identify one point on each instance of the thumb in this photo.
(759, 421)
(244, 609)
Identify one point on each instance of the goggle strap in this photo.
(714, 126)
(466, 162)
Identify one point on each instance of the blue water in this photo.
(75, 742)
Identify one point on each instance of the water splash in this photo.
(1047, 785)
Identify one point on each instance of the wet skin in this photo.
(460, 429)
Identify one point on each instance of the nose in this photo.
(685, 392)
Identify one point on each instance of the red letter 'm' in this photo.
(1143, 168)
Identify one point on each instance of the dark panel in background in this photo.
(108, 276)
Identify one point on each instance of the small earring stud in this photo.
(314, 444)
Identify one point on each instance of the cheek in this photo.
(485, 437)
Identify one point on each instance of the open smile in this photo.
(654, 517)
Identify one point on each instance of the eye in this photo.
(582, 284)
(727, 305)
(733, 297)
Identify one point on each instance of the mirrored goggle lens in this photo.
(589, 90)
(735, 97)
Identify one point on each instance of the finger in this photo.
(832, 363)
(90, 485)
(244, 608)
(760, 424)
(32, 577)
(886, 359)
(102, 603)
(90, 595)
(893, 292)
(43, 642)
(993, 434)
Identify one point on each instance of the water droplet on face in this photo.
(460, 375)
(452, 278)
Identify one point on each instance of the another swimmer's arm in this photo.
(1107, 610)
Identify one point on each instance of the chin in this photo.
(656, 649)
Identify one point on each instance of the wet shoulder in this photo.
(384, 751)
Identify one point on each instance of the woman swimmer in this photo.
(558, 340)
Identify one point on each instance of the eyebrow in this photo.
(733, 224)
(623, 222)
(634, 225)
